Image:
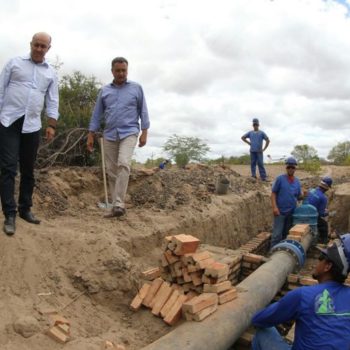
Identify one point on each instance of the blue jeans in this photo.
(269, 339)
(257, 158)
(281, 226)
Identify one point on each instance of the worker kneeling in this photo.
(321, 312)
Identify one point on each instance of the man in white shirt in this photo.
(27, 83)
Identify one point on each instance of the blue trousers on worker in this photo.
(257, 158)
(269, 339)
(281, 226)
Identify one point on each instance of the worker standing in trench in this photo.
(317, 198)
(321, 312)
(256, 138)
(286, 190)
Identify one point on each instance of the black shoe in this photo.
(10, 225)
(29, 217)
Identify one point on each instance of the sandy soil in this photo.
(88, 267)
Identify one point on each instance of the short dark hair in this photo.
(119, 60)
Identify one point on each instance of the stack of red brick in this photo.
(188, 282)
(258, 245)
(298, 231)
(250, 263)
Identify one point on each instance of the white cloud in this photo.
(208, 68)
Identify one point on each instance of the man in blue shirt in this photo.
(121, 104)
(286, 190)
(256, 138)
(317, 198)
(27, 83)
(321, 312)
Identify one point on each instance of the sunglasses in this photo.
(290, 167)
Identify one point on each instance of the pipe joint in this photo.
(294, 248)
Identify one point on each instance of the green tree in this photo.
(340, 153)
(304, 153)
(307, 157)
(184, 149)
(78, 95)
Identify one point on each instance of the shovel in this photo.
(104, 205)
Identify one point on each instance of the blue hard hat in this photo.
(255, 121)
(291, 161)
(326, 182)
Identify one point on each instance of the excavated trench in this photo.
(80, 251)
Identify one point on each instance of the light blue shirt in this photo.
(121, 108)
(256, 139)
(24, 88)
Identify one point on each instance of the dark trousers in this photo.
(322, 227)
(17, 147)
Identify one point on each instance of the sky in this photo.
(207, 67)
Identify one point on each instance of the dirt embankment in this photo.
(88, 267)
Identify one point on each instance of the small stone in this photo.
(26, 326)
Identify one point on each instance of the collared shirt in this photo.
(321, 312)
(24, 88)
(287, 193)
(318, 199)
(121, 107)
(256, 139)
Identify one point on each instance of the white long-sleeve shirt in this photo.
(25, 87)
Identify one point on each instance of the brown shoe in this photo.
(115, 212)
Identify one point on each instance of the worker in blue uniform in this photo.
(256, 138)
(286, 190)
(321, 312)
(317, 198)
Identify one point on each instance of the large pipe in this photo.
(222, 329)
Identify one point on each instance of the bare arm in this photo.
(244, 139)
(266, 144)
(275, 209)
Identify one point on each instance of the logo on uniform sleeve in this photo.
(324, 303)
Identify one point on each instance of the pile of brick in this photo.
(250, 262)
(258, 245)
(297, 232)
(188, 282)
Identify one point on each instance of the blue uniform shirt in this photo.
(256, 140)
(321, 312)
(318, 199)
(121, 107)
(287, 193)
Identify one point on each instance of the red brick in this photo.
(216, 270)
(137, 301)
(185, 244)
(217, 288)
(152, 291)
(292, 278)
(56, 319)
(307, 281)
(174, 313)
(186, 275)
(160, 299)
(171, 258)
(56, 334)
(169, 303)
(202, 264)
(151, 274)
(196, 278)
(201, 315)
(299, 230)
(200, 302)
(253, 258)
(228, 295)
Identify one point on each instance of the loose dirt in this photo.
(88, 267)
